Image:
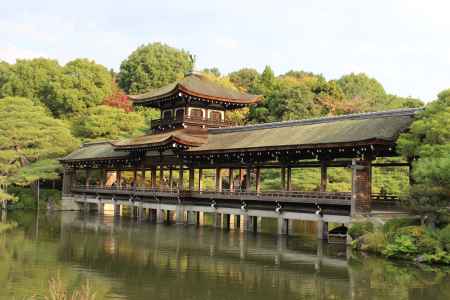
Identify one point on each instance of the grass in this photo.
(58, 291)
(7, 226)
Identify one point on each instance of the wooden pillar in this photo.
(248, 179)
(258, 180)
(153, 177)
(323, 176)
(119, 177)
(226, 218)
(67, 180)
(283, 178)
(143, 176)
(180, 177)
(200, 180)
(88, 176)
(218, 180)
(135, 176)
(231, 179)
(161, 176)
(289, 179)
(191, 178)
(361, 186)
(170, 177)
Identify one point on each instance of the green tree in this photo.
(85, 84)
(30, 140)
(364, 91)
(428, 144)
(108, 123)
(245, 79)
(36, 79)
(66, 90)
(153, 66)
(214, 71)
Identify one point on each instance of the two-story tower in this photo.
(196, 101)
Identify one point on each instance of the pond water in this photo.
(123, 259)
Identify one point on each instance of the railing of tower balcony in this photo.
(189, 120)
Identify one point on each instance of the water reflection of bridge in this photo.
(217, 257)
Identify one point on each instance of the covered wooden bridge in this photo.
(164, 170)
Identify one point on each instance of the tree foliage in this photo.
(108, 123)
(153, 66)
(66, 90)
(428, 142)
(30, 140)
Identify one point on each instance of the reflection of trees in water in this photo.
(26, 266)
(397, 280)
(147, 261)
(201, 262)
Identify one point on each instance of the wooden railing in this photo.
(189, 120)
(331, 198)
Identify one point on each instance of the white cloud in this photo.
(10, 53)
(227, 43)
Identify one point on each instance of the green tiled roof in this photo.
(357, 128)
(101, 150)
(197, 85)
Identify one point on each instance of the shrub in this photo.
(402, 246)
(358, 229)
(373, 242)
(443, 236)
(394, 224)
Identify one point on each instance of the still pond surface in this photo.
(123, 259)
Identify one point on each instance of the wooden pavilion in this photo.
(193, 134)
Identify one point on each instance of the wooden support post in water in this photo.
(159, 216)
(283, 178)
(180, 214)
(283, 226)
(322, 230)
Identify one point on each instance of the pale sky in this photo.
(405, 44)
